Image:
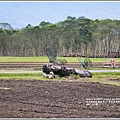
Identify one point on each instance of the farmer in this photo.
(113, 62)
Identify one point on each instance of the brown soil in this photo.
(38, 66)
(115, 79)
(56, 99)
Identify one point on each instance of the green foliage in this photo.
(71, 36)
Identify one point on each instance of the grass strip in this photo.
(35, 76)
(112, 78)
(45, 59)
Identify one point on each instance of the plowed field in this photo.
(57, 99)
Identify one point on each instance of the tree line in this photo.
(70, 37)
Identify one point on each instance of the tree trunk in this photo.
(63, 71)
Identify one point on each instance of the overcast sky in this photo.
(20, 14)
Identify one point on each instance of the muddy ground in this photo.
(57, 99)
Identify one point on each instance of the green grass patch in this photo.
(35, 76)
(106, 74)
(106, 78)
(26, 76)
(101, 68)
(23, 59)
(45, 59)
(104, 59)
